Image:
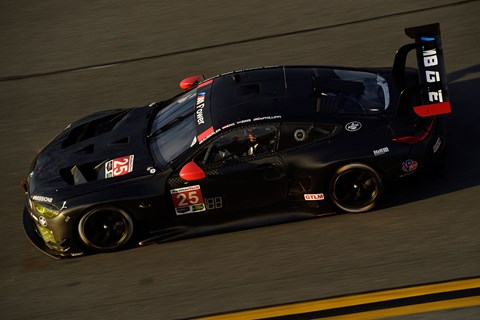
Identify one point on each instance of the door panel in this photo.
(248, 184)
(242, 172)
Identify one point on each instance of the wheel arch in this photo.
(334, 168)
(123, 209)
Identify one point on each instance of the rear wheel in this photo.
(356, 188)
(105, 229)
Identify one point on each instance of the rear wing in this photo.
(431, 68)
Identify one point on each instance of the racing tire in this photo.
(356, 188)
(105, 229)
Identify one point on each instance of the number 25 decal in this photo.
(187, 200)
(119, 166)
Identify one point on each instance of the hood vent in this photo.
(94, 128)
(80, 174)
(86, 150)
(125, 140)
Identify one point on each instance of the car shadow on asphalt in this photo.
(462, 168)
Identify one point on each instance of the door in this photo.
(242, 172)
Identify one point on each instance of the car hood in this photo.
(101, 149)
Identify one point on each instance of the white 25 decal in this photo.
(185, 199)
(187, 196)
(120, 166)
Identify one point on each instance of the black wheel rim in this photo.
(356, 188)
(106, 229)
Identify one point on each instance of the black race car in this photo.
(244, 148)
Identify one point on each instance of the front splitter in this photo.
(37, 241)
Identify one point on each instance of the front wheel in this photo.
(105, 229)
(356, 188)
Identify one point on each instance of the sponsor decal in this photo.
(42, 199)
(353, 126)
(437, 145)
(205, 134)
(244, 121)
(203, 119)
(200, 98)
(267, 118)
(432, 70)
(214, 203)
(42, 221)
(225, 127)
(187, 200)
(199, 108)
(228, 125)
(409, 165)
(380, 151)
(119, 166)
(434, 96)
(313, 196)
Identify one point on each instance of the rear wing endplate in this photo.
(431, 68)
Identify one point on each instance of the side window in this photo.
(296, 134)
(352, 92)
(240, 143)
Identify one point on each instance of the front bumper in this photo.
(34, 235)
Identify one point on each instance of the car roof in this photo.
(253, 93)
(289, 93)
(277, 91)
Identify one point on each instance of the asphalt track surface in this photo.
(80, 58)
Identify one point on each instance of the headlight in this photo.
(44, 211)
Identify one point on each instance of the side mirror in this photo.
(192, 172)
(190, 82)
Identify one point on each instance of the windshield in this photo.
(173, 130)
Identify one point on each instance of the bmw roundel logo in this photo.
(353, 126)
(42, 221)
